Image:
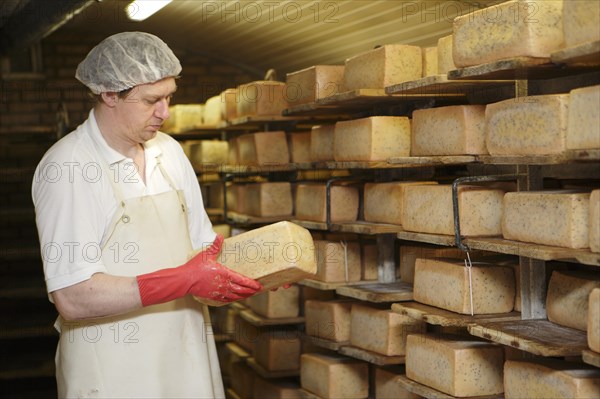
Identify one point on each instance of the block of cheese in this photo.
(311, 84)
(212, 111)
(558, 218)
(261, 98)
(386, 386)
(229, 100)
(223, 229)
(583, 126)
(245, 334)
(387, 330)
(410, 253)
(233, 155)
(321, 143)
(184, 117)
(430, 61)
(455, 365)
(215, 197)
(428, 209)
(278, 350)
(214, 152)
(337, 261)
(593, 322)
(243, 383)
(581, 22)
(334, 376)
(518, 28)
(376, 138)
(311, 203)
(329, 320)
(276, 254)
(268, 199)
(276, 304)
(594, 219)
(384, 66)
(546, 378)
(535, 125)
(276, 389)
(263, 148)
(369, 261)
(383, 201)
(444, 283)
(299, 147)
(445, 55)
(453, 130)
(568, 297)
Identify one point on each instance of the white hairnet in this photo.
(125, 60)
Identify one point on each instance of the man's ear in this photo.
(110, 98)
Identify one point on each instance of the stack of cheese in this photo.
(299, 147)
(278, 350)
(334, 376)
(321, 143)
(261, 148)
(263, 199)
(210, 153)
(311, 202)
(184, 117)
(212, 111)
(312, 84)
(261, 98)
(328, 319)
(284, 303)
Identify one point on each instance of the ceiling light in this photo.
(139, 10)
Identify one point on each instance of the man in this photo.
(118, 211)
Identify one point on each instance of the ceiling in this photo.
(287, 35)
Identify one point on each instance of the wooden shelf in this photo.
(439, 86)
(570, 156)
(263, 372)
(379, 292)
(590, 357)
(587, 54)
(237, 350)
(267, 168)
(25, 129)
(328, 112)
(427, 238)
(323, 286)
(231, 394)
(433, 160)
(324, 343)
(258, 122)
(261, 321)
(195, 133)
(246, 219)
(358, 99)
(430, 393)
(539, 337)
(304, 394)
(358, 227)
(441, 317)
(371, 357)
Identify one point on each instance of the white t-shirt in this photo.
(75, 202)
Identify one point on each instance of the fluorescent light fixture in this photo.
(139, 10)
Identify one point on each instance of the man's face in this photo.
(144, 110)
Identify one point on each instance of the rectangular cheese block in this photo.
(453, 130)
(321, 143)
(276, 254)
(212, 152)
(334, 376)
(268, 199)
(311, 84)
(212, 111)
(383, 201)
(243, 383)
(311, 203)
(184, 117)
(445, 284)
(428, 209)
(455, 365)
(381, 331)
(261, 98)
(282, 303)
(445, 55)
(518, 28)
(233, 154)
(337, 261)
(594, 219)
(215, 197)
(535, 125)
(329, 320)
(245, 334)
(387, 387)
(276, 388)
(543, 379)
(593, 321)
(278, 350)
(369, 261)
(299, 147)
(583, 126)
(263, 148)
(568, 297)
(229, 100)
(376, 138)
(410, 253)
(384, 66)
(581, 21)
(557, 218)
(430, 61)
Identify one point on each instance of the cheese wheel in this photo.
(581, 20)
(387, 387)
(276, 388)
(184, 117)
(446, 284)
(594, 218)
(329, 320)
(583, 128)
(311, 84)
(455, 365)
(263, 148)
(593, 321)
(229, 100)
(519, 28)
(445, 55)
(369, 262)
(268, 199)
(276, 304)
(334, 376)
(384, 66)
(213, 152)
(568, 297)
(376, 138)
(383, 201)
(278, 350)
(337, 261)
(542, 379)
(430, 61)
(311, 203)
(321, 143)
(557, 218)
(299, 146)
(535, 125)
(261, 98)
(212, 111)
(428, 209)
(453, 130)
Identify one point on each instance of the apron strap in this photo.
(171, 183)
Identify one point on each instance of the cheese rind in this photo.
(278, 350)
(212, 111)
(376, 138)
(519, 28)
(542, 379)
(213, 152)
(261, 98)
(369, 261)
(568, 298)
(184, 117)
(583, 127)
(338, 262)
(229, 100)
(383, 201)
(594, 219)
(263, 148)
(535, 125)
(445, 55)
(581, 21)
(329, 320)
(299, 146)
(321, 143)
(593, 321)
(268, 199)
(445, 284)
(276, 304)
(276, 389)
(311, 203)
(453, 130)
(386, 386)
(430, 61)
(557, 218)
(311, 84)
(333, 376)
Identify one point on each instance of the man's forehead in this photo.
(161, 88)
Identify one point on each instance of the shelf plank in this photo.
(441, 86)
(263, 372)
(371, 357)
(592, 155)
(570, 156)
(430, 393)
(587, 54)
(267, 168)
(199, 131)
(247, 219)
(434, 160)
(367, 228)
(308, 224)
(304, 394)
(379, 292)
(315, 109)
(324, 343)
(261, 321)
(231, 394)
(237, 350)
(358, 98)
(323, 286)
(539, 337)
(441, 317)
(258, 121)
(427, 238)
(590, 357)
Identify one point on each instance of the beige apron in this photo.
(161, 351)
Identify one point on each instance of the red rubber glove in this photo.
(201, 276)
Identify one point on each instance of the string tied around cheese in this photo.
(469, 266)
(344, 245)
